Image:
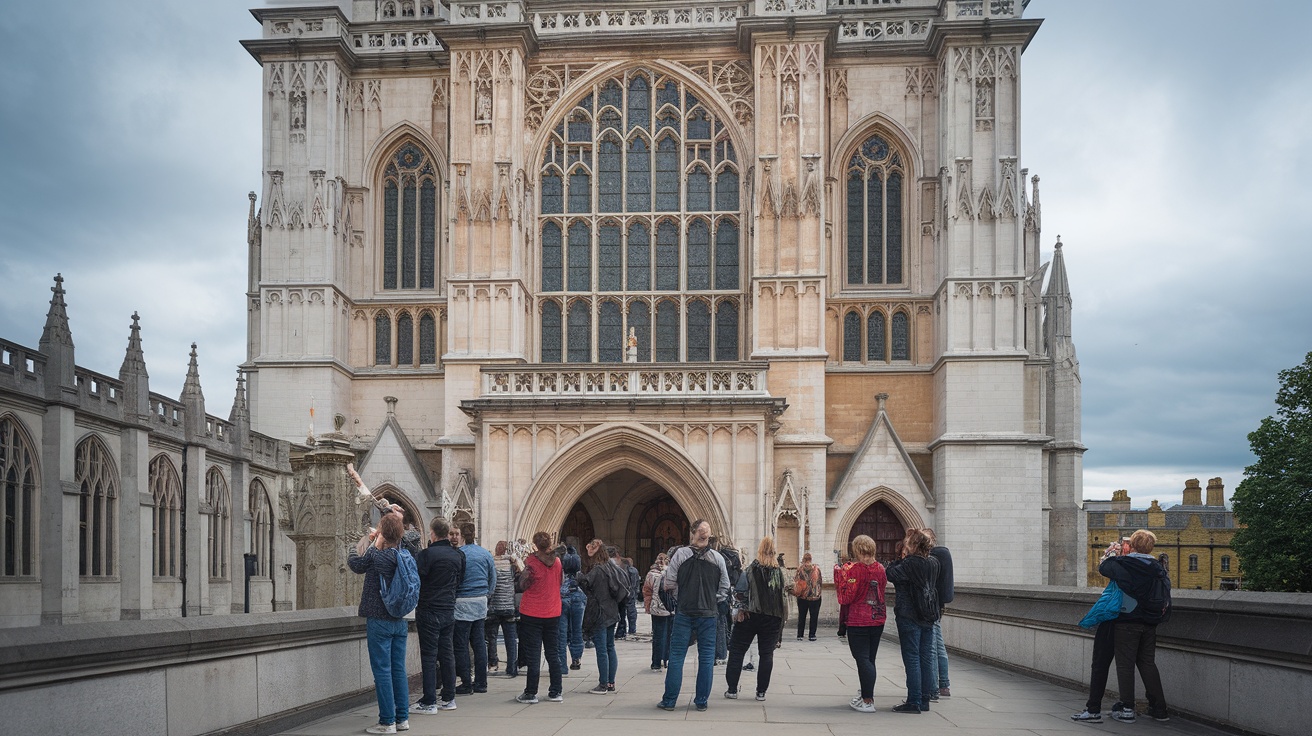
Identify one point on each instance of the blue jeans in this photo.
(466, 632)
(435, 647)
(603, 643)
(918, 658)
(940, 668)
(628, 623)
(387, 659)
(683, 629)
(505, 621)
(660, 639)
(571, 627)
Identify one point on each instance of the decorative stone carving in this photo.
(439, 92)
(1006, 192)
(771, 203)
(318, 212)
(837, 86)
(811, 187)
(965, 202)
(277, 208)
(320, 76)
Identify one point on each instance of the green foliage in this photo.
(1275, 498)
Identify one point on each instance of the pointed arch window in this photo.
(166, 526)
(261, 539)
(405, 339)
(382, 339)
(901, 342)
(220, 531)
(642, 146)
(876, 350)
(18, 500)
(97, 482)
(410, 215)
(851, 337)
(427, 339)
(874, 203)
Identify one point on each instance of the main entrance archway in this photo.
(627, 448)
(882, 525)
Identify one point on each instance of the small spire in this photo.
(56, 331)
(134, 361)
(1058, 286)
(239, 411)
(191, 387)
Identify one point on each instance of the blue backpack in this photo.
(402, 594)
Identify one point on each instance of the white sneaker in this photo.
(446, 705)
(381, 728)
(403, 725)
(861, 706)
(557, 698)
(526, 699)
(428, 710)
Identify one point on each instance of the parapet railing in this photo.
(626, 380)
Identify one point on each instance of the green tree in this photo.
(1274, 500)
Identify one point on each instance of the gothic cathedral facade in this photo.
(603, 268)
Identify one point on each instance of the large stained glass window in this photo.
(97, 482)
(639, 227)
(410, 217)
(874, 252)
(19, 477)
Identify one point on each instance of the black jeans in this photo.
(804, 607)
(1104, 651)
(1136, 646)
(766, 630)
(467, 632)
(436, 653)
(534, 634)
(863, 641)
(505, 621)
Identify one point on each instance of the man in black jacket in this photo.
(1141, 578)
(940, 659)
(441, 568)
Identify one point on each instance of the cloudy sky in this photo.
(1171, 137)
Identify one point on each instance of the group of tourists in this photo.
(547, 602)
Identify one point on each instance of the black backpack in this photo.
(1155, 607)
(733, 564)
(925, 597)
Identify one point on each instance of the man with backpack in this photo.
(377, 556)
(697, 576)
(733, 564)
(441, 570)
(1141, 578)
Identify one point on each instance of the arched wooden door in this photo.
(661, 525)
(882, 525)
(578, 524)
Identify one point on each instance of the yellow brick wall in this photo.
(1210, 545)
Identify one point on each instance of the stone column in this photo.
(326, 522)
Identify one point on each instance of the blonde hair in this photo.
(765, 554)
(864, 546)
(1143, 541)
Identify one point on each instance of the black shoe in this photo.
(699, 706)
(813, 638)
(656, 667)
(576, 665)
(464, 689)
(482, 689)
(933, 696)
(749, 667)
(663, 706)
(924, 706)
(906, 708)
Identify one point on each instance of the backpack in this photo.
(1155, 607)
(401, 595)
(925, 599)
(733, 564)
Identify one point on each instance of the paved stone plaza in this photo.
(808, 696)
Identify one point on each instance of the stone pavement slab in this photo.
(808, 694)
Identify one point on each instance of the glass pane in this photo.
(699, 126)
(427, 234)
(726, 331)
(610, 258)
(667, 94)
(553, 202)
(699, 332)
(893, 253)
(580, 332)
(550, 332)
(639, 271)
(551, 257)
(611, 94)
(901, 337)
(580, 191)
(639, 103)
(382, 340)
(726, 191)
(874, 230)
(390, 202)
(408, 236)
(427, 339)
(580, 258)
(640, 322)
(699, 191)
(855, 230)
(638, 183)
(699, 257)
(851, 337)
(875, 339)
(726, 255)
(610, 181)
(405, 340)
(667, 175)
(610, 334)
(580, 128)
(667, 257)
(667, 332)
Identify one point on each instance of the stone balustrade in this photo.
(626, 380)
(659, 17)
(236, 674)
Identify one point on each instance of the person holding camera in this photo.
(375, 557)
(916, 609)
(1143, 579)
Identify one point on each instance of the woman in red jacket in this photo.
(539, 618)
(860, 585)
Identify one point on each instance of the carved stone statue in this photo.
(632, 352)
